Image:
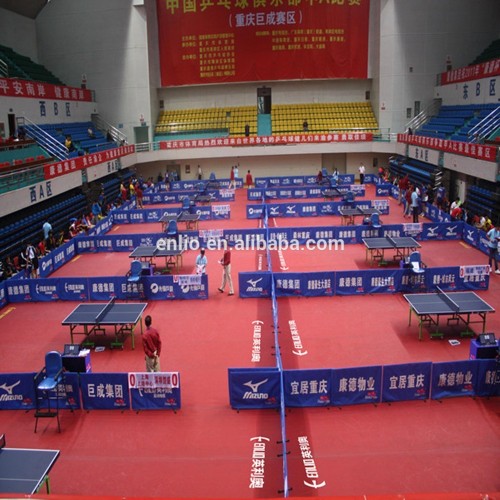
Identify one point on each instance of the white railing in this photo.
(43, 139)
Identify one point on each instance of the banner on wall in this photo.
(472, 150)
(15, 87)
(64, 167)
(212, 43)
(473, 72)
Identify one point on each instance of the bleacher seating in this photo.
(286, 119)
(489, 53)
(419, 172)
(483, 201)
(455, 122)
(79, 134)
(22, 155)
(23, 67)
(26, 225)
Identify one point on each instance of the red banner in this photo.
(205, 41)
(271, 140)
(478, 151)
(475, 72)
(12, 87)
(79, 163)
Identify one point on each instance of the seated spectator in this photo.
(457, 213)
(69, 144)
(90, 132)
(109, 137)
(42, 250)
(50, 242)
(21, 134)
(8, 266)
(60, 238)
(476, 221)
(73, 228)
(455, 204)
(485, 223)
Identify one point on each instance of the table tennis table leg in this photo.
(45, 481)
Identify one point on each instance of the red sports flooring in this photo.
(205, 449)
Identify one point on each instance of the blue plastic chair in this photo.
(134, 276)
(135, 272)
(375, 221)
(415, 261)
(349, 197)
(172, 230)
(48, 379)
(186, 204)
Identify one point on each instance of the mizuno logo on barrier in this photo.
(254, 394)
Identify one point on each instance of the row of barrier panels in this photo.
(96, 391)
(364, 384)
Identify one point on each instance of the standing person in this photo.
(123, 192)
(493, 236)
(30, 261)
(151, 342)
(231, 179)
(201, 262)
(247, 130)
(236, 174)
(200, 173)
(249, 180)
(96, 212)
(415, 205)
(46, 228)
(361, 170)
(138, 195)
(226, 271)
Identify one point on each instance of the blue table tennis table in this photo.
(332, 193)
(148, 254)
(460, 306)
(190, 220)
(93, 318)
(24, 471)
(349, 214)
(376, 247)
